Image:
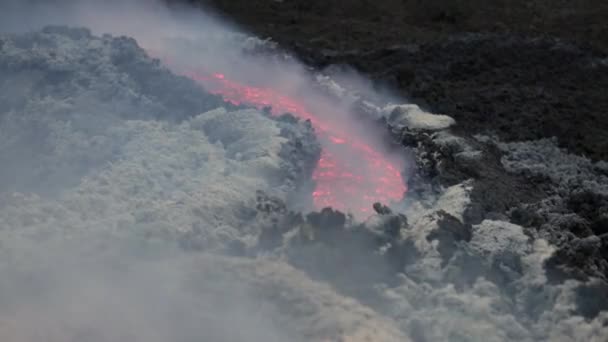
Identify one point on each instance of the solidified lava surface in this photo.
(350, 175)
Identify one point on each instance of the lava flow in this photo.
(350, 175)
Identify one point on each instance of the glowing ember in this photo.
(350, 174)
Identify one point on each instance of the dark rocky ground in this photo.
(521, 69)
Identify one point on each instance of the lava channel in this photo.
(350, 174)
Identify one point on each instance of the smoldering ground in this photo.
(130, 207)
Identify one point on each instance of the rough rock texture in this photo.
(574, 215)
(389, 22)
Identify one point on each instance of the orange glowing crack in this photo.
(350, 175)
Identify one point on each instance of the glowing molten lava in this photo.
(350, 174)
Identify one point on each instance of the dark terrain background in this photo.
(516, 68)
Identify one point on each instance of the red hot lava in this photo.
(350, 175)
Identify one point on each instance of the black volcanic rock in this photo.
(449, 231)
